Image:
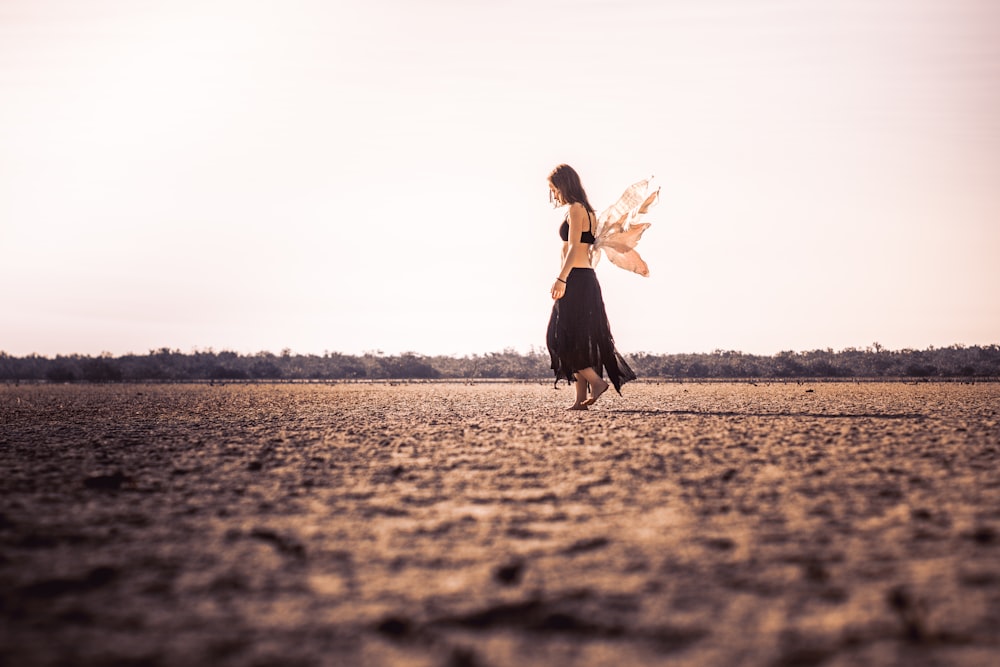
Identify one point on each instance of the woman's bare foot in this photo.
(595, 393)
(579, 406)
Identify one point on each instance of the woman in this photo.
(579, 336)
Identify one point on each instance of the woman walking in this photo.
(579, 337)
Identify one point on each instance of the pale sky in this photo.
(370, 175)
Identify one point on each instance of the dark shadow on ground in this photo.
(815, 415)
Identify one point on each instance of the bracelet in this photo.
(561, 280)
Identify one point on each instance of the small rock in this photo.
(462, 656)
(720, 543)
(815, 571)
(394, 626)
(286, 545)
(587, 544)
(111, 482)
(909, 610)
(509, 574)
(984, 535)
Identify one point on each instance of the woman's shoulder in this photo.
(578, 211)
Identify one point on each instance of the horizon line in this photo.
(875, 347)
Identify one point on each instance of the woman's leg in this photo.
(581, 393)
(597, 385)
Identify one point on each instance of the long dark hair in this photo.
(565, 179)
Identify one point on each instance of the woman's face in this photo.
(554, 196)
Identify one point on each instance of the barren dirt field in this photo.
(477, 526)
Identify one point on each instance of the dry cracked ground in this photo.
(481, 525)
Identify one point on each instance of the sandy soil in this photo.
(462, 526)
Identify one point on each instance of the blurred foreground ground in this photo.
(477, 526)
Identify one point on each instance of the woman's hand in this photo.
(558, 289)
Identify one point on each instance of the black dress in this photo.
(579, 335)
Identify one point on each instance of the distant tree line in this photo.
(166, 365)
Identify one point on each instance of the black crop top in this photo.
(585, 237)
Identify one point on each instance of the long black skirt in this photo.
(579, 335)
